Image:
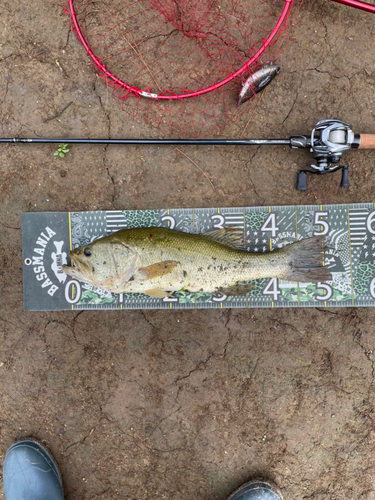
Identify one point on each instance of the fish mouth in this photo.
(79, 269)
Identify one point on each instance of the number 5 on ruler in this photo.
(324, 226)
(327, 291)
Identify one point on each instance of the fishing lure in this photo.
(257, 82)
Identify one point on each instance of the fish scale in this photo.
(205, 265)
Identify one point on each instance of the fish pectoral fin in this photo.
(236, 290)
(157, 270)
(230, 236)
(106, 284)
(157, 293)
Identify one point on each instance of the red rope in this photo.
(358, 5)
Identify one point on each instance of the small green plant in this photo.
(63, 149)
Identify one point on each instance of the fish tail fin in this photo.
(307, 261)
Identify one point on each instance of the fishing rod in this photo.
(328, 141)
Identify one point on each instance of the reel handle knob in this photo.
(345, 177)
(302, 181)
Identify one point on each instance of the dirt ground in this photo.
(183, 404)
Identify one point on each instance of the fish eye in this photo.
(87, 252)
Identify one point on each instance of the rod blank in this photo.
(160, 142)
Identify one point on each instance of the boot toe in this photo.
(257, 490)
(30, 472)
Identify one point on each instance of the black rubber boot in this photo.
(257, 490)
(30, 473)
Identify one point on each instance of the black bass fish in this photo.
(158, 261)
(257, 82)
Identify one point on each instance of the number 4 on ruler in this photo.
(270, 226)
(272, 288)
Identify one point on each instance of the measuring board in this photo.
(349, 229)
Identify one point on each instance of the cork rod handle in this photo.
(367, 141)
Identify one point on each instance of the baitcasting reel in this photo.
(329, 140)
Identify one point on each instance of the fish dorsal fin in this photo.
(230, 236)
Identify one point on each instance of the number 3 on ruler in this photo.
(218, 221)
(323, 223)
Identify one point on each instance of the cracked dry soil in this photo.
(183, 404)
